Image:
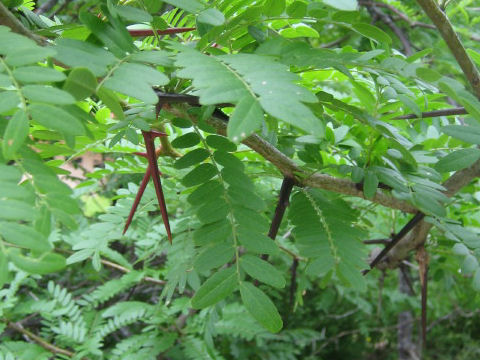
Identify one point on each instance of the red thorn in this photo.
(152, 161)
(141, 189)
(139, 195)
(150, 32)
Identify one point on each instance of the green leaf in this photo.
(227, 160)
(133, 14)
(211, 17)
(75, 53)
(261, 307)
(199, 175)
(8, 101)
(274, 8)
(474, 55)
(37, 74)
(29, 56)
(209, 189)
(15, 134)
(3, 269)
(45, 264)
(111, 101)
(81, 83)
(346, 5)
(469, 134)
(186, 141)
(192, 158)
(247, 118)
(320, 266)
(16, 210)
(297, 9)
(370, 184)
(257, 243)
(136, 80)
(372, 32)
(113, 33)
(263, 271)
(220, 143)
(47, 94)
(217, 287)
(152, 57)
(299, 30)
(457, 160)
(214, 256)
(9, 173)
(11, 43)
(193, 6)
(251, 81)
(24, 236)
(56, 118)
(428, 74)
(428, 204)
(410, 104)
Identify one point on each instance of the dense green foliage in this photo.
(319, 85)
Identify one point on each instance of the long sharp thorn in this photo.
(152, 162)
(138, 197)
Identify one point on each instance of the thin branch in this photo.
(376, 241)
(400, 14)
(46, 7)
(9, 20)
(151, 32)
(396, 238)
(434, 113)
(118, 267)
(289, 168)
(407, 47)
(40, 341)
(441, 21)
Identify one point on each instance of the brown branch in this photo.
(46, 7)
(9, 20)
(400, 14)
(151, 32)
(40, 341)
(422, 259)
(461, 178)
(441, 21)
(434, 113)
(407, 47)
(289, 168)
(395, 239)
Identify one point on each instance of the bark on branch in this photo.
(441, 21)
(9, 20)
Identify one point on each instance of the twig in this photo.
(396, 238)
(151, 32)
(376, 241)
(407, 47)
(400, 14)
(434, 113)
(335, 42)
(8, 19)
(46, 7)
(289, 168)
(118, 267)
(356, 331)
(422, 259)
(441, 21)
(40, 341)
